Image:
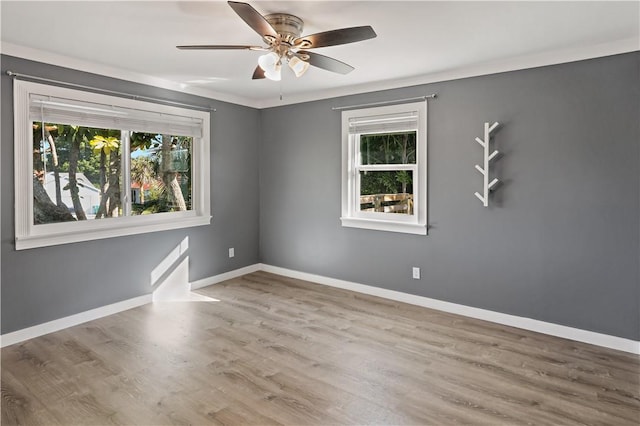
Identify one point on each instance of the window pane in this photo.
(388, 148)
(387, 192)
(160, 173)
(76, 173)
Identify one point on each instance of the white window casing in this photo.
(406, 117)
(39, 102)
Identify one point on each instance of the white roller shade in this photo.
(73, 112)
(387, 123)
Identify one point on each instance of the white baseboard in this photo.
(103, 311)
(565, 332)
(599, 339)
(66, 322)
(225, 276)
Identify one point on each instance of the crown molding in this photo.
(494, 67)
(38, 55)
(513, 64)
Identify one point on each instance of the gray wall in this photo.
(560, 241)
(44, 284)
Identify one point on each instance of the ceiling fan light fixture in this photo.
(298, 66)
(281, 32)
(271, 65)
(274, 75)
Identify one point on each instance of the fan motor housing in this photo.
(288, 26)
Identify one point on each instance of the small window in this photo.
(92, 166)
(384, 170)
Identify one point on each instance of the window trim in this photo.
(351, 214)
(28, 235)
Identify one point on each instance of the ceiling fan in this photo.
(281, 32)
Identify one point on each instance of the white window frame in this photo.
(28, 235)
(351, 214)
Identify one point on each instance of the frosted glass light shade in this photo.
(270, 64)
(298, 66)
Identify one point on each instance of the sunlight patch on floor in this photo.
(170, 278)
(190, 297)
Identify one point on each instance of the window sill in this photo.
(34, 241)
(384, 225)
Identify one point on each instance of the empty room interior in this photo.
(320, 212)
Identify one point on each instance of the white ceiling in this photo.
(418, 41)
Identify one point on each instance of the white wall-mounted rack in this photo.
(484, 197)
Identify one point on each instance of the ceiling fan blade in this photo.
(335, 37)
(219, 47)
(253, 19)
(258, 73)
(327, 63)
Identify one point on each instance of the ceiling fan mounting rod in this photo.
(288, 27)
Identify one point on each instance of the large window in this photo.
(94, 166)
(384, 176)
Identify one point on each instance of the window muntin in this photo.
(384, 168)
(104, 141)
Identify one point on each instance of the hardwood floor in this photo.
(274, 350)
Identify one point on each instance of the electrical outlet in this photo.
(231, 252)
(416, 273)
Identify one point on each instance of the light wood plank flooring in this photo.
(275, 350)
